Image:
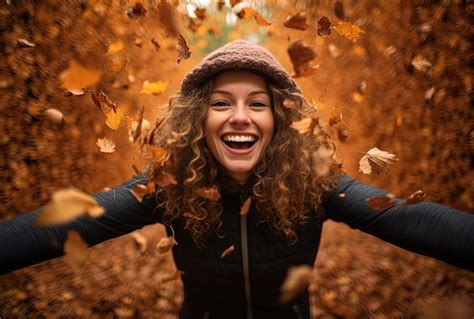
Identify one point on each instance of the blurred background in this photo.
(395, 74)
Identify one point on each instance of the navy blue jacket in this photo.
(247, 282)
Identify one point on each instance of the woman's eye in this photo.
(220, 103)
(258, 104)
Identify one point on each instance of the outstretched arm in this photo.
(426, 228)
(23, 242)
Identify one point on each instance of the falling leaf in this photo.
(154, 88)
(138, 130)
(66, 205)
(71, 92)
(246, 13)
(246, 206)
(183, 49)
(336, 117)
(140, 241)
(260, 20)
(165, 179)
(416, 197)
(342, 195)
(348, 30)
(227, 251)
(165, 244)
(25, 43)
(234, 2)
(429, 93)
(138, 191)
(167, 18)
(339, 10)
(380, 203)
(171, 277)
(421, 64)
(324, 27)
(377, 160)
(220, 5)
(113, 119)
(138, 10)
(298, 21)
(342, 134)
(158, 155)
(55, 116)
(75, 250)
(155, 44)
(300, 56)
(138, 42)
(297, 280)
(145, 127)
(334, 50)
(106, 145)
(306, 125)
(210, 193)
(322, 159)
(200, 13)
(115, 47)
(193, 25)
(78, 77)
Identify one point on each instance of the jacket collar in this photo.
(230, 185)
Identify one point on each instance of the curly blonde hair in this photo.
(286, 165)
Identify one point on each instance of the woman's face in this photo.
(239, 123)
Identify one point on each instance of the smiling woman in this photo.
(244, 196)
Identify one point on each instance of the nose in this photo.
(240, 115)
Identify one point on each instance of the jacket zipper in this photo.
(245, 262)
(296, 309)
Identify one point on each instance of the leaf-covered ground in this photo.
(403, 85)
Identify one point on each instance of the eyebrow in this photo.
(250, 94)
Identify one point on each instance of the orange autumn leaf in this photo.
(348, 30)
(261, 21)
(380, 203)
(210, 193)
(298, 21)
(113, 119)
(77, 77)
(115, 47)
(414, 198)
(158, 155)
(246, 206)
(75, 250)
(165, 244)
(139, 191)
(154, 88)
(246, 13)
(227, 251)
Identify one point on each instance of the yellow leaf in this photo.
(66, 205)
(115, 47)
(77, 77)
(154, 87)
(348, 30)
(113, 119)
(261, 20)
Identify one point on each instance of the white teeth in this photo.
(239, 138)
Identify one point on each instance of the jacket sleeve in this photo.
(23, 242)
(426, 228)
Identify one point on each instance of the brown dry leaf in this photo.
(323, 159)
(155, 44)
(165, 244)
(154, 88)
(376, 160)
(227, 251)
(324, 27)
(55, 116)
(297, 280)
(77, 77)
(300, 56)
(348, 30)
(103, 98)
(210, 193)
(414, 198)
(246, 206)
(379, 203)
(306, 125)
(113, 119)
(260, 20)
(66, 205)
(343, 134)
(298, 21)
(106, 145)
(138, 191)
(200, 13)
(115, 47)
(171, 277)
(183, 49)
(339, 10)
(75, 250)
(140, 241)
(165, 179)
(23, 43)
(138, 10)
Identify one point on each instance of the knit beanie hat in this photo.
(239, 55)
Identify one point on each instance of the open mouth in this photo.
(241, 145)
